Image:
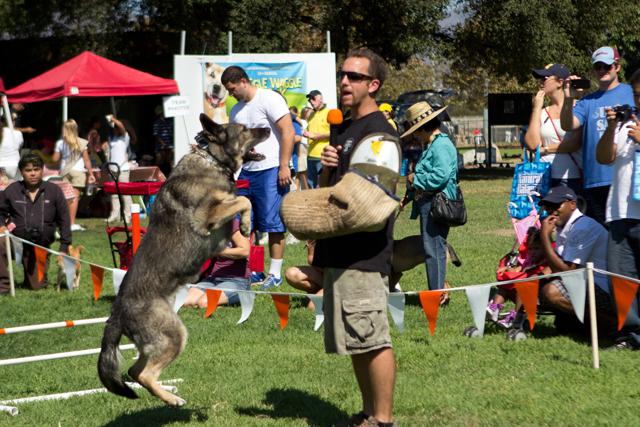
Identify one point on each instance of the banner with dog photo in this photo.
(287, 78)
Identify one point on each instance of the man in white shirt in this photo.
(618, 147)
(579, 239)
(269, 179)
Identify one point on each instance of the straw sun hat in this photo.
(419, 114)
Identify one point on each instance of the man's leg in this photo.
(376, 375)
(276, 253)
(30, 264)
(555, 298)
(596, 198)
(623, 258)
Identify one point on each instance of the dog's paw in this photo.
(176, 401)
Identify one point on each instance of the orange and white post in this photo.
(135, 221)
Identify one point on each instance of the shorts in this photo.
(243, 284)
(76, 178)
(265, 195)
(604, 301)
(302, 158)
(355, 311)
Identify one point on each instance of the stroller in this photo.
(124, 249)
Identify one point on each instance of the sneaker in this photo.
(493, 311)
(270, 282)
(356, 420)
(374, 422)
(291, 240)
(397, 288)
(257, 277)
(513, 320)
(77, 227)
(623, 344)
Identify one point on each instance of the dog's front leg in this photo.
(226, 211)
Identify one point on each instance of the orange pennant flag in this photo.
(624, 291)
(282, 305)
(528, 292)
(430, 301)
(97, 273)
(213, 296)
(41, 260)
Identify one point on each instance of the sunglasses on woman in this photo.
(353, 76)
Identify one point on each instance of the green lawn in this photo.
(255, 374)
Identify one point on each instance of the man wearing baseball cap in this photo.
(589, 115)
(579, 240)
(318, 134)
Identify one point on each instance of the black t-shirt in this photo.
(359, 251)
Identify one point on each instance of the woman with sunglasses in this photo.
(75, 161)
(545, 131)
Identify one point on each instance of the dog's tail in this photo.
(109, 360)
(454, 258)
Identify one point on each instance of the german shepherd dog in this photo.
(191, 222)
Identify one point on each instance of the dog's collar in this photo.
(214, 161)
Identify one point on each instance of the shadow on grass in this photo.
(159, 416)
(483, 174)
(298, 404)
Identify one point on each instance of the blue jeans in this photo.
(623, 257)
(241, 283)
(596, 198)
(434, 244)
(313, 172)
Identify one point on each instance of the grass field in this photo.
(255, 374)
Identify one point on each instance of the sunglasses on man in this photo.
(353, 76)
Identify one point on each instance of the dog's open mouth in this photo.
(214, 100)
(253, 156)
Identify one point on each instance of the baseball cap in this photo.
(313, 94)
(606, 54)
(385, 107)
(552, 70)
(557, 195)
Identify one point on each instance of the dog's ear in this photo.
(214, 129)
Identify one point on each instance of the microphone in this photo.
(334, 117)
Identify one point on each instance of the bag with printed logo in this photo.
(529, 179)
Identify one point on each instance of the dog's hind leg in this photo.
(149, 366)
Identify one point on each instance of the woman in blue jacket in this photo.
(436, 171)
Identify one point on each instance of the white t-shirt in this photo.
(65, 152)
(264, 110)
(620, 203)
(582, 240)
(10, 148)
(118, 146)
(304, 140)
(562, 167)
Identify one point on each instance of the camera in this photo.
(33, 234)
(623, 112)
(581, 84)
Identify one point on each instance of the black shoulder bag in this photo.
(451, 212)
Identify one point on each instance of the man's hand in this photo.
(634, 130)
(284, 176)
(330, 156)
(568, 90)
(611, 116)
(538, 101)
(548, 225)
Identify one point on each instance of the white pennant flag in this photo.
(396, 308)
(246, 302)
(69, 270)
(181, 297)
(478, 297)
(318, 305)
(17, 247)
(118, 275)
(576, 285)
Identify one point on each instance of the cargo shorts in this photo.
(355, 311)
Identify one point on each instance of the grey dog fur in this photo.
(191, 221)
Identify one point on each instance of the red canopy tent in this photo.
(90, 75)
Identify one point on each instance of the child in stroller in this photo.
(530, 262)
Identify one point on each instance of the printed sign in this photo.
(176, 106)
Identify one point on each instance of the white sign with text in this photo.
(176, 106)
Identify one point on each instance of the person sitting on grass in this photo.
(307, 277)
(230, 271)
(533, 263)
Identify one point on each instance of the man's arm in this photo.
(568, 121)
(328, 159)
(555, 262)
(63, 219)
(286, 149)
(606, 148)
(119, 124)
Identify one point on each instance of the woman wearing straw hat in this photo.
(436, 171)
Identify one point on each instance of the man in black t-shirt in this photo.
(357, 266)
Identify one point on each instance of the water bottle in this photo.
(89, 190)
(636, 174)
